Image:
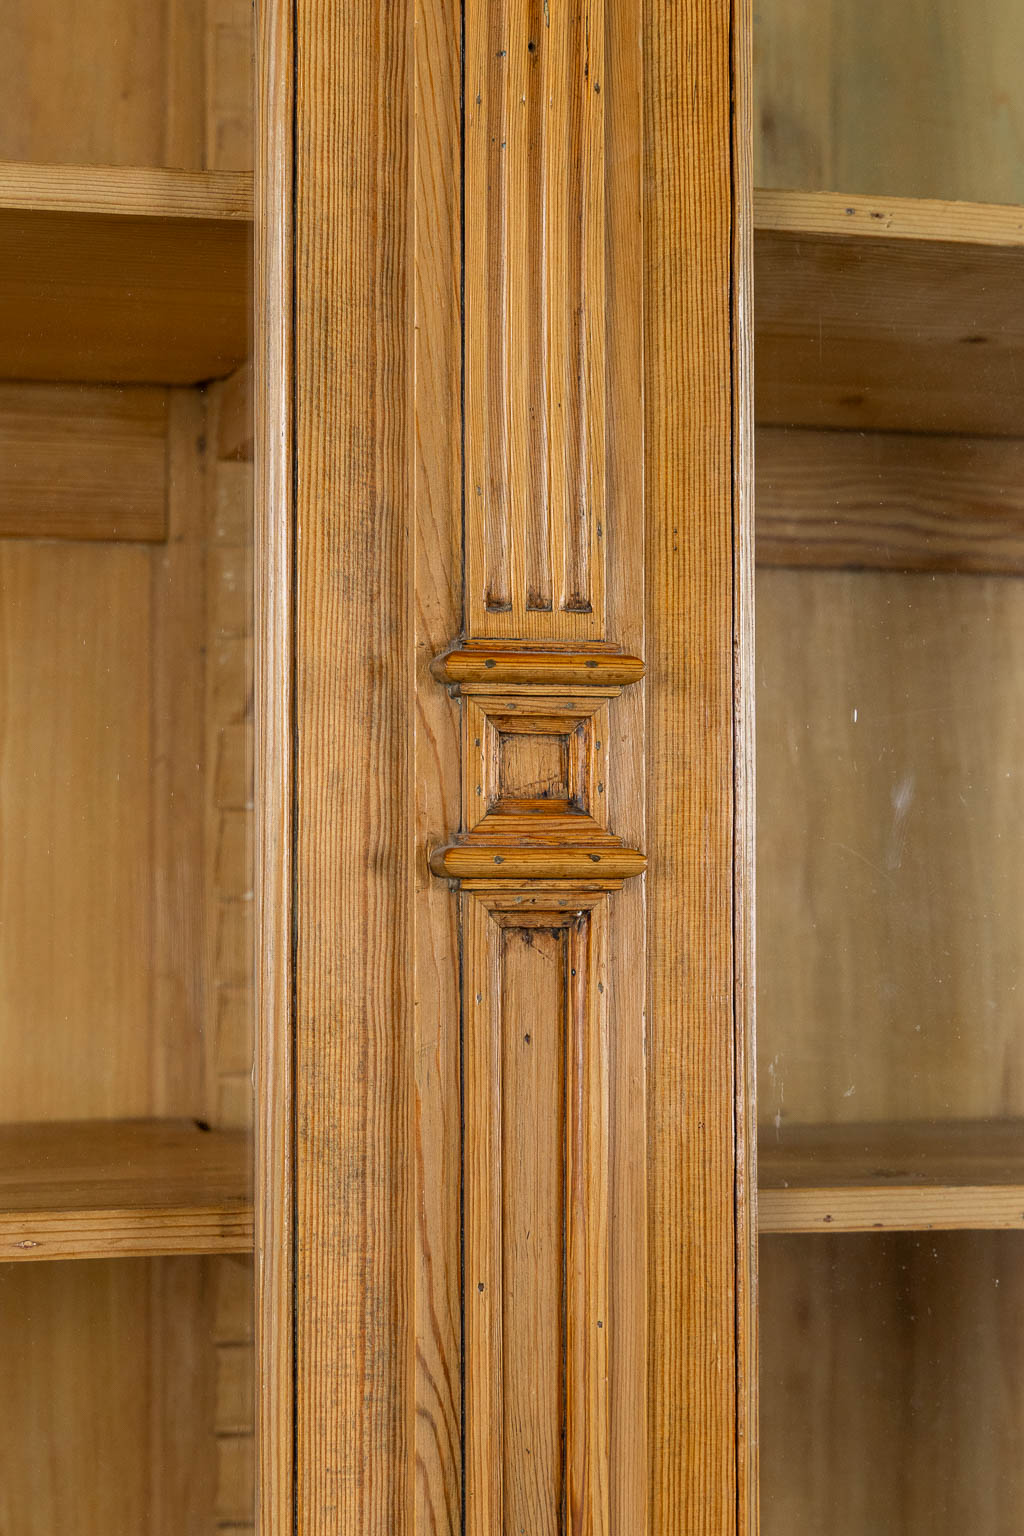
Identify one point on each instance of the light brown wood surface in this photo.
(131, 191)
(118, 277)
(896, 1176)
(96, 1189)
(889, 1379)
(274, 1315)
(162, 84)
(920, 99)
(882, 313)
(889, 501)
(107, 1418)
(81, 463)
(889, 775)
(695, 273)
(536, 387)
(353, 718)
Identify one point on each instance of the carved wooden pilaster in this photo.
(552, 589)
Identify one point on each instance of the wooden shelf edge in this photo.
(112, 1233)
(838, 214)
(911, 1208)
(893, 1176)
(129, 1188)
(129, 191)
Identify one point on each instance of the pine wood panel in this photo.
(273, 480)
(886, 314)
(76, 893)
(890, 501)
(920, 99)
(91, 1189)
(101, 86)
(353, 722)
(701, 1418)
(889, 770)
(895, 1176)
(83, 463)
(537, 1196)
(436, 490)
(229, 85)
(537, 390)
(890, 1376)
(133, 191)
(123, 277)
(107, 1375)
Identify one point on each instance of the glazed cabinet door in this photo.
(501, 458)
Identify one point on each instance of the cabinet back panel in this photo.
(891, 1384)
(128, 82)
(107, 1398)
(891, 882)
(76, 765)
(917, 99)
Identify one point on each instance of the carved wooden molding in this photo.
(536, 1297)
(535, 860)
(550, 494)
(535, 767)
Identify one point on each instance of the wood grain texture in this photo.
(83, 463)
(118, 278)
(888, 314)
(436, 490)
(889, 770)
(116, 86)
(235, 421)
(695, 1094)
(180, 991)
(76, 802)
(916, 100)
(273, 555)
(354, 1058)
(744, 866)
(536, 389)
(94, 1189)
(537, 1195)
(107, 1416)
(498, 666)
(890, 501)
(893, 1176)
(897, 1352)
(134, 191)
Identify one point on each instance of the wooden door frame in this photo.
(357, 119)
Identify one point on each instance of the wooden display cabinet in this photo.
(889, 260)
(126, 780)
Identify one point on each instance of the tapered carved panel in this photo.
(537, 1219)
(535, 317)
(536, 862)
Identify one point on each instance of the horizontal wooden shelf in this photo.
(118, 1188)
(888, 313)
(897, 1177)
(123, 275)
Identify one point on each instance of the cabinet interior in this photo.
(126, 944)
(889, 258)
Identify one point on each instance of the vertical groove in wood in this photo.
(747, 1375)
(693, 1088)
(537, 1200)
(535, 318)
(484, 1450)
(587, 1226)
(354, 723)
(274, 661)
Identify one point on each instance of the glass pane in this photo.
(890, 763)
